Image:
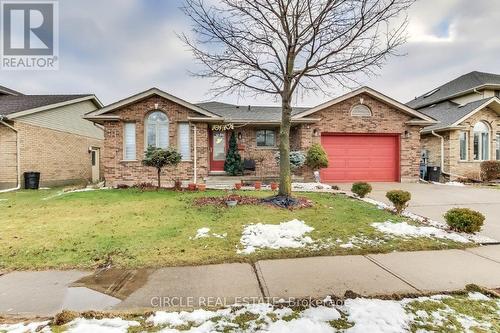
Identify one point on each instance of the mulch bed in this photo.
(279, 202)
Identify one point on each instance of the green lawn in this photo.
(153, 229)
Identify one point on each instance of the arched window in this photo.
(157, 130)
(361, 110)
(481, 141)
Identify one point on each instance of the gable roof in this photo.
(232, 112)
(15, 106)
(450, 114)
(373, 93)
(457, 87)
(101, 113)
(8, 91)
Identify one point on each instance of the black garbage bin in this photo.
(32, 180)
(433, 173)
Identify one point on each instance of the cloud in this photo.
(115, 48)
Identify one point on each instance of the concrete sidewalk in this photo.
(46, 293)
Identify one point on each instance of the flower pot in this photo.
(231, 203)
(237, 186)
(202, 187)
(274, 186)
(192, 187)
(258, 185)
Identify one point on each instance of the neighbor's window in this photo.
(129, 142)
(266, 138)
(498, 146)
(157, 130)
(361, 110)
(184, 141)
(481, 141)
(463, 146)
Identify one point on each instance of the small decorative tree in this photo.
(159, 158)
(316, 157)
(233, 165)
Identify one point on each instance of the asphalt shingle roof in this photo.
(460, 84)
(240, 112)
(8, 91)
(12, 104)
(447, 113)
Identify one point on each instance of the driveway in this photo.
(433, 201)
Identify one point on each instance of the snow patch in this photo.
(202, 233)
(403, 229)
(275, 236)
(476, 296)
(107, 325)
(376, 316)
(26, 328)
(311, 187)
(450, 184)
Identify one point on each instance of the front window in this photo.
(266, 138)
(498, 146)
(129, 142)
(481, 141)
(157, 130)
(463, 146)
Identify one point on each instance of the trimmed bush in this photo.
(464, 220)
(490, 170)
(316, 157)
(361, 189)
(297, 159)
(399, 199)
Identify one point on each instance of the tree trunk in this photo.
(159, 178)
(285, 170)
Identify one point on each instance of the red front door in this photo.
(217, 150)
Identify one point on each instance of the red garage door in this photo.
(361, 158)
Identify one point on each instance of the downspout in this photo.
(442, 158)
(195, 157)
(18, 166)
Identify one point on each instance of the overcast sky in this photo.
(115, 48)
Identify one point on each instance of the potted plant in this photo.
(259, 157)
(237, 186)
(192, 186)
(201, 187)
(232, 200)
(274, 186)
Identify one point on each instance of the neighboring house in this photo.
(468, 131)
(367, 135)
(47, 134)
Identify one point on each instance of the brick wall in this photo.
(452, 163)
(385, 119)
(61, 158)
(117, 171)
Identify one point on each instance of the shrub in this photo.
(464, 220)
(297, 159)
(361, 189)
(490, 170)
(399, 199)
(233, 164)
(316, 157)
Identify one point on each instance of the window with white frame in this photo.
(498, 146)
(463, 146)
(361, 110)
(481, 141)
(157, 130)
(184, 141)
(266, 138)
(129, 153)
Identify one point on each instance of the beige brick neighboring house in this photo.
(468, 130)
(47, 134)
(367, 135)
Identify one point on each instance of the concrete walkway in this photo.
(46, 293)
(433, 201)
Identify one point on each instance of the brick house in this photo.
(47, 134)
(367, 135)
(468, 130)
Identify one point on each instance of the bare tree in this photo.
(285, 47)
